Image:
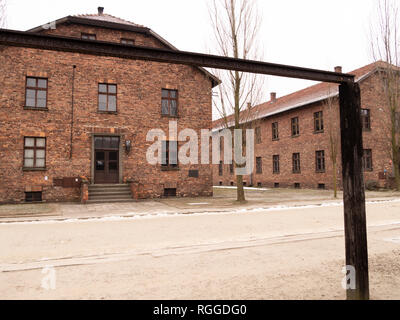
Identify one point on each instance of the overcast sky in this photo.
(317, 34)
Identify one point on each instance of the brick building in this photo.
(71, 118)
(292, 136)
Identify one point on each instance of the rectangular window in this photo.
(34, 152)
(107, 97)
(275, 164)
(258, 165)
(321, 186)
(36, 93)
(88, 36)
(296, 162)
(169, 192)
(276, 185)
(318, 122)
(366, 119)
(169, 154)
(367, 160)
(297, 185)
(220, 168)
(275, 131)
(231, 168)
(258, 135)
(320, 161)
(33, 196)
(130, 42)
(169, 102)
(295, 126)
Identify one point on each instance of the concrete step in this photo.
(111, 196)
(110, 200)
(110, 193)
(94, 186)
(106, 193)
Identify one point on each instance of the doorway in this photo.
(106, 160)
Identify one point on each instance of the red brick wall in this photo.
(139, 110)
(308, 142)
(102, 34)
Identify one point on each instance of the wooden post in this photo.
(355, 224)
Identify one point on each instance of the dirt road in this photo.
(282, 253)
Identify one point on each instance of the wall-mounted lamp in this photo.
(128, 146)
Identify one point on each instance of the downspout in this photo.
(72, 110)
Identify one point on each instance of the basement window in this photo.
(232, 184)
(33, 196)
(321, 186)
(220, 183)
(169, 192)
(276, 185)
(259, 184)
(297, 186)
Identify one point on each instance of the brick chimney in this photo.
(273, 97)
(338, 69)
(100, 10)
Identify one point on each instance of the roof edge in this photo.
(119, 26)
(301, 105)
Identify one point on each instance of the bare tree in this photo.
(332, 116)
(385, 41)
(236, 25)
(2, 13)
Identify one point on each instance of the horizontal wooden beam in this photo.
(58, 43)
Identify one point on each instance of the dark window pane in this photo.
(164, 105)
(173, 93)
(98, 142)
(173, 152)
(103, 88)
(100, 155)
(164, 155)
(164, 93)
(113, 156)
(115, 142)
(173, 108)
(107, 142)
(99, 165)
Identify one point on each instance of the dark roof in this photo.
(301, 98)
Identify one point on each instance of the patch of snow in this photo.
(135, 215)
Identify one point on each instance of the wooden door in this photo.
(106, 170)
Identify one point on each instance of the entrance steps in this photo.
(106, 193)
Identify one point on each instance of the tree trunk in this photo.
(334, 180)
